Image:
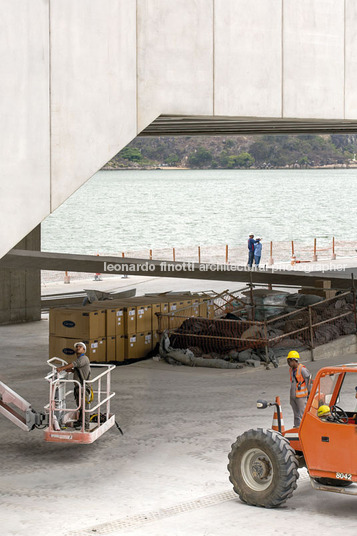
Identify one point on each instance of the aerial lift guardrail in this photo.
(58, 419)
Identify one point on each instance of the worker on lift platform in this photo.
(81, 372)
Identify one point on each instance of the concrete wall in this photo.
(93, 88)
(24, 112)
(351, 59)
(248, 56)
(80, 78)
(313, 59)
(20, 290)
(175, 58)
(346, 345)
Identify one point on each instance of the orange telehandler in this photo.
(263, 464)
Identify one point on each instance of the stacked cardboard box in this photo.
(135, 322)
(115, 330)
(120, 330)
(71, 325)
(123, 316)
(196, 306)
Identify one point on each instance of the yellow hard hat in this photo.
(293, 354)
(323, 410)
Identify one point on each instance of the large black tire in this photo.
(263, 468)
(333, 482)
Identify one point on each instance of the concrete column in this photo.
(20, 290)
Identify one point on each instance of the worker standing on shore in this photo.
(300, 385)
(251, 245)
(257, 251)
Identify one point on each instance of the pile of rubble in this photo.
(233, 341)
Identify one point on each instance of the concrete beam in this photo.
(184, 125)
(157, 268)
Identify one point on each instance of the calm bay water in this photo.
(129, 210)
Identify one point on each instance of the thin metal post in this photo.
(124, 276)
(354, 299)
(83, 405)
(251, 295)
(173, 254)
(151, 254)
(292, 248)
(51, 404)
(333, 249)
(199, 254)
(99, 398)
(266, 344)
(271, 260)
(226, 253)
(108, 393)
(314, 258)
(311, 334)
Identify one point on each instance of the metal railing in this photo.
(97, 388)
(220, 335)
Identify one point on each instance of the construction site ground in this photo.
(167, 475)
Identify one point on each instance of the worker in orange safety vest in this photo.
(300, 385)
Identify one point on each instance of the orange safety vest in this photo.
(301, 387)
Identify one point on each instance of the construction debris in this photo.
(181, 356)
(260, 327)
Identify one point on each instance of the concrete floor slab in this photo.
(167, 474)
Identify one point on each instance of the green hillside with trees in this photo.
(238, 152)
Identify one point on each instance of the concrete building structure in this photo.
(20, 288)
(80, 79)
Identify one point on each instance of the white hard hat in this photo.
(80, 344)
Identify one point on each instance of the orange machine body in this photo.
(329, 449)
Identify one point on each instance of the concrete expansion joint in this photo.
(149, 517)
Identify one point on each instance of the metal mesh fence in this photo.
(300, 329)
(218, 335)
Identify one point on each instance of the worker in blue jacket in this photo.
(251, 246)
(257, 251)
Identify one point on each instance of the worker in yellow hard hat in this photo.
(300, 385)
(324, 413)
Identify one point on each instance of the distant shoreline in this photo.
(271, 168)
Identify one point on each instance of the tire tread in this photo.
(284, 456)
